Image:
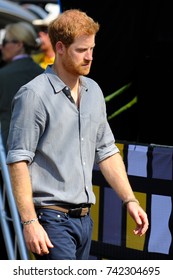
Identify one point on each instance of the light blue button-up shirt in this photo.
(60, 141)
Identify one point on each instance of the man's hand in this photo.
(140, 218)
(36, 238)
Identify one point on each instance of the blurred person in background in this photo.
(20, 40)
(45, 56)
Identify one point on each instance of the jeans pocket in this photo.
(48, 216)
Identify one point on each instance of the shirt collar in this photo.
(20, 56)
(59, 86)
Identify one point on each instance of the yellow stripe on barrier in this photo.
(95, 213)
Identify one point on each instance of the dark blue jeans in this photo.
(71, 237)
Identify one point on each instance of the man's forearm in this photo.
(113, 169)
(22, 190)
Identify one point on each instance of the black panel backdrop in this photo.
(134, 44)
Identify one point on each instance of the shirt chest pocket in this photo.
(89, 128)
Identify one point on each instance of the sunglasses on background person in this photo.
(5, 41)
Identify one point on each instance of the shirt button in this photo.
(84, 163)
(82, 139)
(86, 187)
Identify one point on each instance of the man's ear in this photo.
(59, 47)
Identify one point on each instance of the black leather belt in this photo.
(76, 211)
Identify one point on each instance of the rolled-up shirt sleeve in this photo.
(105, 141)
(19, 155)
(26, 126)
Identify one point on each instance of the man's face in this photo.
(77, 58)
